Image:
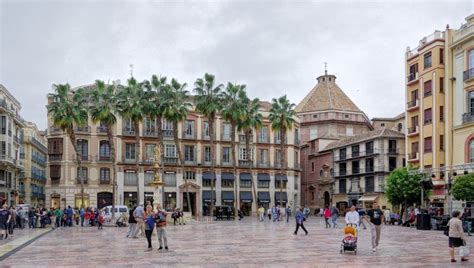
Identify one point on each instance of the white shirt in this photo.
(352, 217)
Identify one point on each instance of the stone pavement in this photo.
(246, 243)
(20, 238)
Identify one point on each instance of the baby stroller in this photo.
(349, 242)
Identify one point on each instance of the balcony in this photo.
(85, 129)
(150, 132)
(263, 164)
(226, 164)
(10, 159)
(277, 140)
(129, 160)
(103, 158)
(55, 130)
(55, 181)
(412, 131)
(39, 145)
(370, 152)
(16, 140)
(413, 105)
(170, 160)
(78, 180)
(467, 118)
(102, 130)
(55, 157)
(243, 138)
(297, 141)
(206, 163)
(148, 161)
(428, 121)
(104, 181)
(468, 75)
(263, 139)
(412, 78)
(189, 135)
(414, 156)
(226, 137)
(361, 171)
(189, 162)
(392, 151)
(84, 158)
(244, 163)
(168, 133)
(128, 131)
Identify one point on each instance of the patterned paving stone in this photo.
(246, 243)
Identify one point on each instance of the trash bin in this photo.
(423, 221)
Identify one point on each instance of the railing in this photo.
(227, 164)
(243, 138)
(148, 161)
(170, 160)
(226, 137)
(78, 180)
(206, 163)
(264, 139)
(355, 154)
(102, 129)
(413, 155)
(358, 154)
(263, 165)
(130, 181)
(277, 140)
(189, 136)
(39, 144)
(296, 165)
(7, 158)
(16, 140)
(55, 157)
(467, 117)
(244, 163)
(86, 129)
(413, 103)
(412, 130)
(55, 180)
(128, 131)
(361, 170)
(392, 151)
(54, 130)
(468, 74)
(104, 181)
(190, 162)
(85, 158)
(150, 133)
(412, 77)
(129, 160)
(167, 133)
(297, 141)
(103, 158)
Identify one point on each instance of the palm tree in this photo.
(282, 116)
(209, 102)
(174, 99)
(232, 112)
(251, 119)
(130, 106)
(102, 109)
(69, 110)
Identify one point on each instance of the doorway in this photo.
(55, 201)
(246, 208)
(326, 199)
(192, 197)
(104, 199)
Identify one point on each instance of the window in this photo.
(130, 178)
(414, 95)
(369, 165)
(263, 184)
(243, 155)
(245, 184)
(206, 183)
(3, 148)
(104, 175)
(3, 124)
(104, 149)
(169, 178)
(427, 89)
(342, 186)
(471, 59)
(150, 125)
(441, 84)
(128, 125)
(349, 131)
(355, 151)
(414, 147)
(355, 167)
(312, 166)
(226, 129)
(278, 157)
(263, 134)
(369, 184)
(400, 127)
(313, 133)
(150, 151)
(427, 116)
(392, 163)
(321, 173)
(470, 104)
(427, 60)
(262, 156)
(342, 154)
(189, 132)
(441, 113)
(55, 172)
(55, 146)
(166, 125)
(83, 147)
(342, 169)
(428, 144)
(206, 129)
(413, 72)
(207, 154)
(283, 184)
(392, 146)
(149, 177)
(189, 153)
(315, 116)
(471, 151)
(190, 175)
(441, 56)
(225, 154)
(227, 183)
(441, 142)
(170, 150)
(81, 173)
(129, 151)
(382, 124)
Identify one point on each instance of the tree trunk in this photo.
(213, 176)
(160, 143)
(181, 163)
(72, 137)
(137, 157)
(233, 158)
(282, 161)
(248, 136)
(110, 136)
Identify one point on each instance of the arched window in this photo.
(83, 148)
(471, 151)
(321, 173)
(104, 175)
(470, 103)
(104, 149)
(399, 127)
(471, 58)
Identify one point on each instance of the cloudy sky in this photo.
(275, 47)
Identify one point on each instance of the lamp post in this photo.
(157, 182)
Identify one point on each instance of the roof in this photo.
(378, 133)
(398, 117)
(326, 95)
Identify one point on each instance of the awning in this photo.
(246, 197)
(228, 196)
(368, 198)
(263, 197)
(207, 176)
(281, 177)
(227, 176)
(283, 197)
(206, 196)
(245, 176)
(263, 177)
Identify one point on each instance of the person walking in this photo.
(69, 214)
(288, 213)
(261, 213)
(149, 225)
(160, 227)
(352, 217)
(100, 220)
(386, 214)
(327, 215)
(269, 214)
(12, 223)
(466, 224)
(299, 216)
(334, 215)
(132, 223)
(375, 219)
(457, 237)
(139, 213)
(83, 214)
(361, 212)
(274, 213)
(5, 218)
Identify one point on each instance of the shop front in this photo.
(227, 198)
(170, 201)
(281, 201)
(264, 200)
(246, 201)
(129, 199)
(207, 198)
(78, 201)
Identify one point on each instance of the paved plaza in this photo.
(246, 243)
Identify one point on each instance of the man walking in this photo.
(375, 219)
(288, 213)
(132, 223)
(274, 213)
(5, 218)
(139, 217)
(69, 214)
(160, 227)
(334, 215)
(261, 212)
(299, 216)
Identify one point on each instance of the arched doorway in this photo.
(326, 198)
(104, 199)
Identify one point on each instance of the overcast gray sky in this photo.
(274, 47)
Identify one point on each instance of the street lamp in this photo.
(157, 182)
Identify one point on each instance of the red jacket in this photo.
(327, 213)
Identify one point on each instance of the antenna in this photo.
(325, 68)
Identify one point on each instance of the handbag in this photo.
(464, 251)
(446, 230)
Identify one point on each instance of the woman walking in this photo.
(299, 216)
(327, 215)
(149, 225)
(457, 237)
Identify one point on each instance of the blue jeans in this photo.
(334, 221)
